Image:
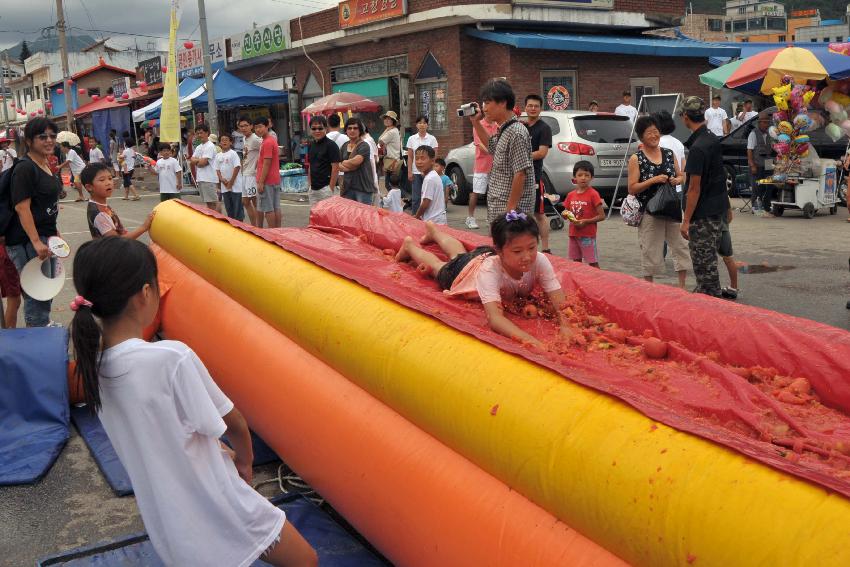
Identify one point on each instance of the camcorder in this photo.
(468, 109)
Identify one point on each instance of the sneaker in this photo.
(470, 223)
(729, 293)
(54, 324)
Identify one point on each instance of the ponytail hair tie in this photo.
(515, 216)
(78, 302)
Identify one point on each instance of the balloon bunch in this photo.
(835, 100)
(791, 122)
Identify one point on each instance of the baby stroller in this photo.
(552, 208)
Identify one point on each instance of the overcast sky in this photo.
(24, 19)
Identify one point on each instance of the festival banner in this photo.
(353, 13)
(170, 114)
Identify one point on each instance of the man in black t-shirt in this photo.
(322, 161)
(541, 141)
(707, 200)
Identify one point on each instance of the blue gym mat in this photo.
(335, 546)
(92, 432)
(33, 402)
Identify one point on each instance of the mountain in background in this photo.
(829, 9)
(50, 44)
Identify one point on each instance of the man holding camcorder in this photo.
(511, 182)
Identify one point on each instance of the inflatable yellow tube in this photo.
(650, 494)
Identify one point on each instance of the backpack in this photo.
(7, 210)
(631, 210)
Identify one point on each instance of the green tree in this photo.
(25, 51)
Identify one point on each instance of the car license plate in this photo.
(611, 162)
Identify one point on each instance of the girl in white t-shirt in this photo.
(511, 268)
(164, 415)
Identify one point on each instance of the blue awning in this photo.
(627, 45)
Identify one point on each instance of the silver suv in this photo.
(600, 138)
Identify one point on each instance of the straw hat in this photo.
(392, 115)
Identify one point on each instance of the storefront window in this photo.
(549, 79)
(432, 101)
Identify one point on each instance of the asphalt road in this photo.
(796, 266)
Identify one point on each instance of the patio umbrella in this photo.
(342, 102)
(716, 78)
(764, 71)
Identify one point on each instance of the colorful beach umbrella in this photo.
(716, 78)
(763, 71)
(769, 67)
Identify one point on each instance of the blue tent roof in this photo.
(622, 44)
(232, 91)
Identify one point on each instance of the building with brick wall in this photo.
(431, 56)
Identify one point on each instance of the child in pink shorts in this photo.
(583, 208)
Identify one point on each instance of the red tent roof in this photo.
(103, 103)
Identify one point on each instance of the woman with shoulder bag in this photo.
(358, 184)
(653, 169)
(35, 196)
(390, 140)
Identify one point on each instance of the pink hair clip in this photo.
(78, 302)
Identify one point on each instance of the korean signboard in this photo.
(151, 70)
(262, 40)
(190, 62)
(120, 86)
(353, 13)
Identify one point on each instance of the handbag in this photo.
(665, 203)
(391, 165)
(631, 211)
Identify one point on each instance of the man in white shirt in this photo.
(76, 164)
(626, 109)
(747, 113)
(7, 154)
(96, 155)
(716, 119)
(203, 158)
(433, 205)
(170, 175)
(336, 134)
(250, 155)
(414, 176)
(227, 166)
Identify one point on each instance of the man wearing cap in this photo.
(7, 154)
(706, 198)
(758, 152)
(626, 109)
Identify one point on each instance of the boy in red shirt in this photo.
(585, 206)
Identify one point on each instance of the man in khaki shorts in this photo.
(206, 178)
(250, 154)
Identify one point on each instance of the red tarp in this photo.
(694, 390)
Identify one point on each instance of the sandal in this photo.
(79, 200)
(136, 198)
(547, 250)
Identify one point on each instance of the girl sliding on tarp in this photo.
(164, 415)
(508, 269)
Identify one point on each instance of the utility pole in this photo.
(212, 111)
(63, 47)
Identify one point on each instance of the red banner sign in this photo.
(353, 13)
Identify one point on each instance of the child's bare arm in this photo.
(423, 206)
(240, 440)
(502, 325)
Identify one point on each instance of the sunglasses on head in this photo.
(45, 137)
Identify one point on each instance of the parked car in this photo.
(600, 138)
(734, 147)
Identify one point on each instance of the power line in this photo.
(91, 22)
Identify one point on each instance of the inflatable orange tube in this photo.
(420, 503)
